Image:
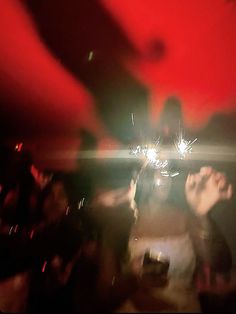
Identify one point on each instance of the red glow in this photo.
(44, 266)
(199, 65)
(18, 147)
(29, 73)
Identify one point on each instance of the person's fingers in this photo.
(230, 191)
(211, 181)
(222, 183)
(226, 195)
(220, 180)
(202, 175)
(219, 176)
(198, 178)
(195, 181)
(199, 181)
(190, 182)
(206, 174)
(206, 171)
(187, 182)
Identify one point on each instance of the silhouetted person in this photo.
(171, 119)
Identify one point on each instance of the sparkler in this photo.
(81, 203)
(151, 154)
(183, 146)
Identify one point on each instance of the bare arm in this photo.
(209, 243)
(203, 191)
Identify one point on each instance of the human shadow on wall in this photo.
(92, 46)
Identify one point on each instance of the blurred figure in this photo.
(55, 247)
(180, 242)
(109, 217)
(17, 187)
(38, 250)
(187, 241)
(53, 204)
(171, 119)
(18, 203)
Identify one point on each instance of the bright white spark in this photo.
(183, 146)
(174, 174)
(151, 154)
(158, 182)
(90, 56)
(132, 118)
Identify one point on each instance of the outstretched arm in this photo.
(203, 190)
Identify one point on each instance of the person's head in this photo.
(171, 116)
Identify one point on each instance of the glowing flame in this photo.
(151, 154)
(183, 146)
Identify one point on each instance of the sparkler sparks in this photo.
(81, 203)
(183, 146)
(151, 154)
(132, 118)
(90, 56)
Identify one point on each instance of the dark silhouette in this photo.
(91, 45)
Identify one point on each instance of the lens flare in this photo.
(183, 146)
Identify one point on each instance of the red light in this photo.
(18, 147)
(44, 266)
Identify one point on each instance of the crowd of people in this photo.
(125, 246)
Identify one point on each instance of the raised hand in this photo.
(117, 197)
(205, 188)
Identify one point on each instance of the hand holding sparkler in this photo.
(205, 188)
